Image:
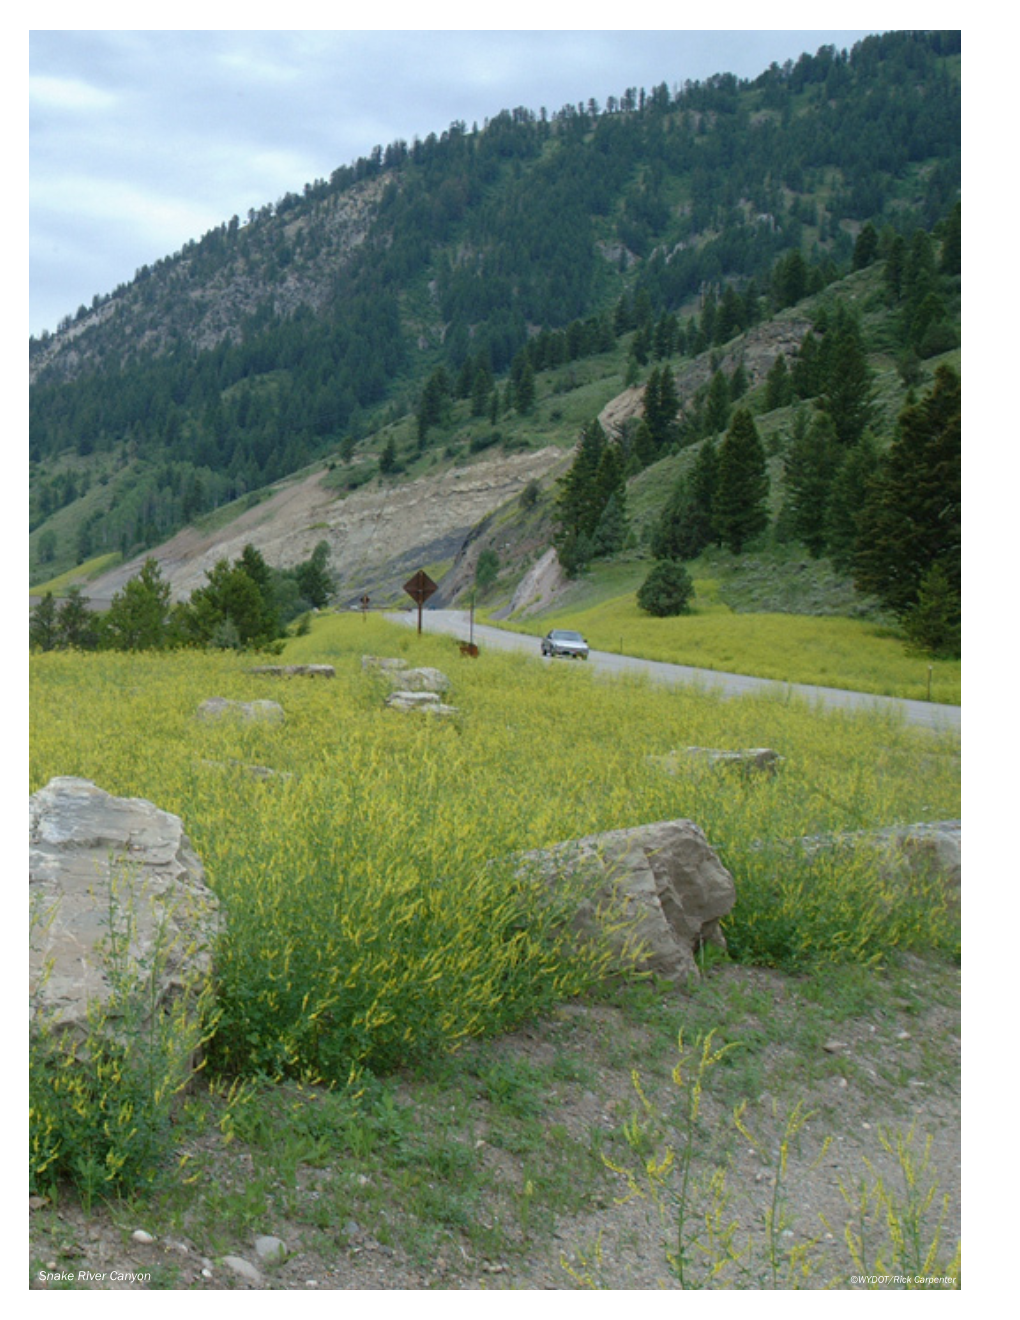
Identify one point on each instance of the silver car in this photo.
(561, 641)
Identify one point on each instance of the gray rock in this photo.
(244, 1269)
(745, 761)
(270, 1249)
(251, 712)
(371, 662)
(295, 671)
(671, 886)
(426, 701)
(92, 857)
(419, 680)
(906, 854)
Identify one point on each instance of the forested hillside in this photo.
(452, 271)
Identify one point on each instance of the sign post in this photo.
(364, 607)
(420, 588)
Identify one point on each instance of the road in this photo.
(456, 623)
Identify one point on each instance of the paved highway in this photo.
(456, 623)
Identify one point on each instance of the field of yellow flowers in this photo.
(372, 915)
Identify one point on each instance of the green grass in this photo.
(83, 573)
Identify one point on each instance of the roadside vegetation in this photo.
(374, 928)
(853, 654)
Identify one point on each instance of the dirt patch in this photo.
(494, 1169)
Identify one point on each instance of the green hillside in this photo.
(465, 271)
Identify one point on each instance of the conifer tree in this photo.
(685, 526)
(847, 393)
(911, 520)
(139, 614)
(847, 495)
(43, 629)
(740, 511)
(810, 467)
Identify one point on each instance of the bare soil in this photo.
(489, 1170)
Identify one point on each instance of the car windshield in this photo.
(560, 636)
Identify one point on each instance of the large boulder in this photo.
(99, 865)
(664, 880)
(250, 712)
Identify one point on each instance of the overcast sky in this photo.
(142, 140)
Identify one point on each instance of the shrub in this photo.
(101, 1111)
(667, 590)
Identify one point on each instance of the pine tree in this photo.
(43, 629)
(138, 617)
(778, 385)
(685, 526)
(666, 591)
(847, 495)
(810, 466)
(661, 403)
(740, 511)
(611, 532)
(717, 404)
(911, 520)
(847, 393)
(76, 622)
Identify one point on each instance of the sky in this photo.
(142, 140)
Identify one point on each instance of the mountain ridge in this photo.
(398, 315)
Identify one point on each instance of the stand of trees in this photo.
(244, 605)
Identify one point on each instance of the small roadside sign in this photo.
(420, 588)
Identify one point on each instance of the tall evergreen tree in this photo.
(848, 394)
(661, 403)
(740, 510)
(810, 466)
(847, 495)
(717, 404)
(685, 527)
(778, 386)
(911, 520)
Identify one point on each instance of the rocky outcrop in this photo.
(101, 867)
(660, 887)
(251, 712)
(542, 583)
